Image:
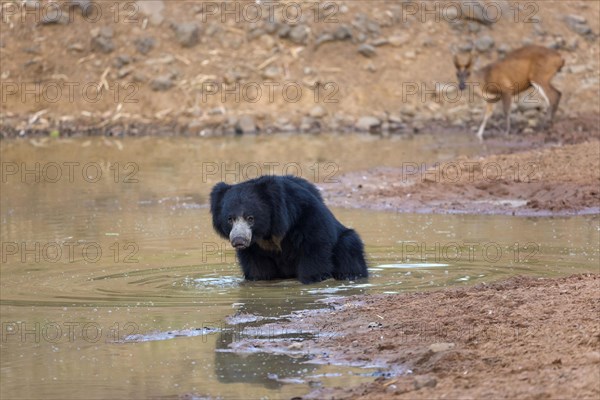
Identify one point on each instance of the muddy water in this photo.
(113, 284)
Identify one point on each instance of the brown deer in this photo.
(518, 71)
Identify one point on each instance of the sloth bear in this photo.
(281, 228)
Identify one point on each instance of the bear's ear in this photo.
(216, 197)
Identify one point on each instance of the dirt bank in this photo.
(555, 178)
(519, 338)
(126, 68)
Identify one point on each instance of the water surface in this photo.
(113, 284)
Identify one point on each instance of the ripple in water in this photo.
(219, 282)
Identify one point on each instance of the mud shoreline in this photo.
(523, 337)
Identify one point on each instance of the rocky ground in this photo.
(522, 338)
(135, 68)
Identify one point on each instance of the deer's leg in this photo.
(555, 96)
(489, 109)
(551, 95)
(506, 102)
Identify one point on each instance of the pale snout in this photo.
(241, 234)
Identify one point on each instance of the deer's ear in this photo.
(456, 62)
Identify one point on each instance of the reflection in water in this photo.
(113, 260)
(231, 367)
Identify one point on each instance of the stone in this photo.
(343, 32)
(96, 31)
(577, 69)
(233, 76)
(270, 27)
(299, 34)
(476, 11)
(572, 44)
(295, 346)
(373, 27)
(123, 72)
(78, 47)
(283, 31)
(139, 77)
(367, 123)
(465, 47)
(102, 39)
(578, 25)
(318, 112)
(153, 9)
(593, 356)
(424, 381)
(103, 44)
(246, 124)
(380, 42)
(366, 50)
(398, 40)
(473, 27)
(271, 72)
(411, 55)
(503, 49)
(308, 124)
(484, 43)
(121, 60)
(255, 33)
(162, 83)
(268, 41)
(51, 18)
(144, 45)
(325, 37)
(439, 347)
(212, 29)
(216, 111)
(186, 34)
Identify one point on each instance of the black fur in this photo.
(304, 239)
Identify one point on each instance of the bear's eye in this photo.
(250, 219)
(230, 220)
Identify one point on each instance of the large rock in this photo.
(153, 9)
(162, 83)
(421, 382)
(246, 124)
(102, 40)
(484, 43)
(366, 50)
(325, 37)
(299, 34)
(398, 40)
(368, 123)
(308, 124)
(343, 32)
(283, 30)
(187, 34)
(578, 25)
(144, 45)
(271, 72)
(318, 112)
(477, 11)
(121, 60)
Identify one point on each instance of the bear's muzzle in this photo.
(241, 234)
